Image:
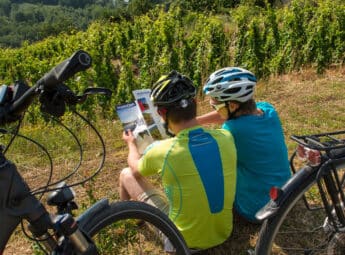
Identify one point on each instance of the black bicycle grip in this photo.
(79, 61)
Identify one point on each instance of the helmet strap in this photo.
(166, 125)
(164, 111)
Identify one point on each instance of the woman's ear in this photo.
(233, 106)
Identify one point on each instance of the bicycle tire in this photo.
(269, 243)
(111, 221)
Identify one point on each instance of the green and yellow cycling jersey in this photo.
(198, 171)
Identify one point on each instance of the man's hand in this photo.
(133, 154)
(128, 136)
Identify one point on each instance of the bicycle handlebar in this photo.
(79, 61)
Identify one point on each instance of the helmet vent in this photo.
(246, 94)
(219, 72)
(231, 90)
(251, 78)
(237, 79)
(217, 80)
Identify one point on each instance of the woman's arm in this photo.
(210, 118)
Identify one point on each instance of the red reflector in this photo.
(301, 152)
(313, 157)
(274, 193)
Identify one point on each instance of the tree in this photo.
(5, 7)
(75, 3)
(205, 5)
(138, 7)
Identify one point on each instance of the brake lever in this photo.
(93, 91)
(102, 91)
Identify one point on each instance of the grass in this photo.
(306, 102)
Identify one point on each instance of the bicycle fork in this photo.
(71, 238)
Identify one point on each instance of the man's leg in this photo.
(131, 187)
(138, 188)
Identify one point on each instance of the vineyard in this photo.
(128, 55)
(277, 43)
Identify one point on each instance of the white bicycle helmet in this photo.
(230, 84)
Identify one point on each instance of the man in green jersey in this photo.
(197, 167)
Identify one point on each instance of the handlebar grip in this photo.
(79, 61)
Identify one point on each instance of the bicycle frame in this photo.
(16, 200)
(328, 182)
(17, 203)
(333, 188)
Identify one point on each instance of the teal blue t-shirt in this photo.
(262, 158)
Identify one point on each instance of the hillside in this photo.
(296, 50)
(35, 20)
(306, 102)
(132, 54)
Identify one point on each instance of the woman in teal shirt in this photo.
(262, 157)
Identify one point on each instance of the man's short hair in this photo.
(181, 112)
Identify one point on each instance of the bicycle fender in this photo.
(90, 213)
(271, 208)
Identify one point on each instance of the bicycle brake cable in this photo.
(14, 134)
(39, 190)
(50, 163)
(101, 164)
(17, 134)
(102, 146)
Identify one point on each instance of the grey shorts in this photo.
(157, 199)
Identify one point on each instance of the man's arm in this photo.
(133, 154)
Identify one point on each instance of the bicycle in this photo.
(61, 232)
(307, 214)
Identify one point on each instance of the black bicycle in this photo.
(101, 229)
(307, 214)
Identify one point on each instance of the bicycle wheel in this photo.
(295, 229)
(130, 227)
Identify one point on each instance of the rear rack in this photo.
(323, 141)
(332, 149)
